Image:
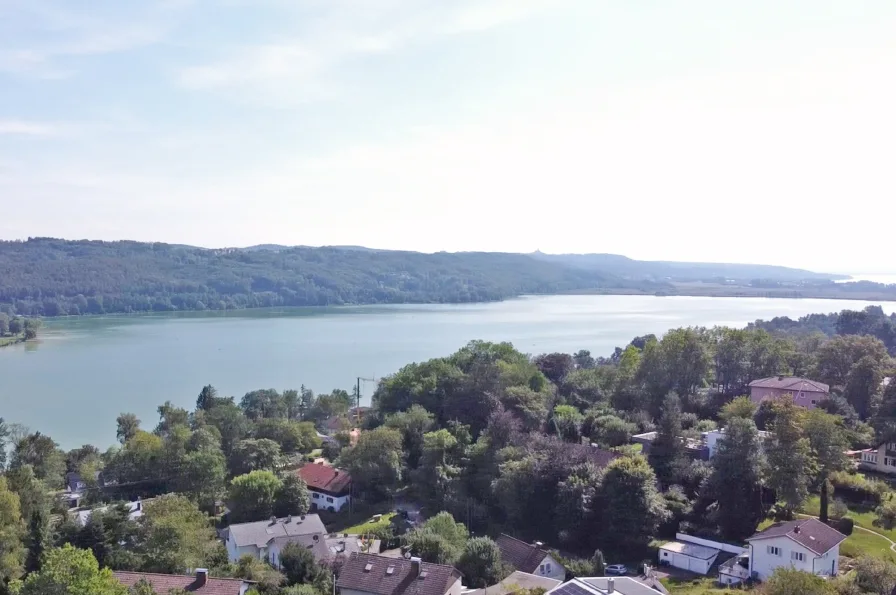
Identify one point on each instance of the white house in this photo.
(135, 511)
(330, 487)
(530, 558)
(804, 544)
(368, 574)
(688, 556)
(265, 539)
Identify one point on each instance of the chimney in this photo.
(611, 585)
(273, 520)
(538, 544)
(201, 577)
(415, 565)
(796, 530)
(780, 378)
(289, 519)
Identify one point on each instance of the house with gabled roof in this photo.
(804, 544)
(530, 558)
(200, 582)
(265, 539)
(330, 487)
(806, 393)
(369, 574)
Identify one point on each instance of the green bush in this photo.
(858, 489)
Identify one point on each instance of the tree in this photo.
(171, 417)
(251, 496)
(261, 404)
(175, 536)
(70, 571)
(863, 385)
(12, 530)
(555, 366)
(583, 359)
(300, 567)
(735, 483)
(789, 581)
(628, 507)
(208, 398)
(268, 579)
(827, 441)
(254, 455)
(788, 455)
(375, 461)
(292, 436)
(142, 587)
(440, 540)
(230, 422)
(413, 424)
(667, 455)
(480, 562)
(568, 422)
(875, 576)
(884, 420)
(43, 455)
(598, 564)
(742, 407)
(38, 540)
(292, 497)
(606, 430)
(16, 326)
(128, 424)
(4, 323)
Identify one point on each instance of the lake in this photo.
(83, 372)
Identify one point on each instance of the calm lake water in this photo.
(85, 371)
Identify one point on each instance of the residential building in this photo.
(805, 393)
(711, 440)
(516, 582)
(265, 539)
(135, 511)
(330, 487)
(701, 449)
(368, 574)
(610, 585)
(804, 544)
(881, 459)
(200, 582)
(530, 558)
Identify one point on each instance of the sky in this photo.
(702, 130)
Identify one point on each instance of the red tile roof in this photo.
(162, 583)
(792, 384)
(810, 533)
(325, 478)
(523, 556)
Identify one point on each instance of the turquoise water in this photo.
(83, 372)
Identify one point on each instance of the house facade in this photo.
(530, 558)
(368, 574)
(265, 539)
(330, 487)
(610, 585)
(804, 544)
(881, 459)
(806, 393)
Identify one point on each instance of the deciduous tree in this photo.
(251, 496)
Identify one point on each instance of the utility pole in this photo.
(358, 397)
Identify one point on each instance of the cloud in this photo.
(299, 64)
(26, 128)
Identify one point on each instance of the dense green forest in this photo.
(870, 321)
(48, 277)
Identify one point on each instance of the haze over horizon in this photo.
(750, 133)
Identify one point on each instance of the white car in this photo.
(618, 569)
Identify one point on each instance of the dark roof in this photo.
(599, 457)
(162, 583)
(810, 533)
(792, 384)
(325, 478)
(523, 556)
(370, 574)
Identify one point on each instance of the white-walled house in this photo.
(265, 539)
(530, 558)
(330, 487)
(804, 544)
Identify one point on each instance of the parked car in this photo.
(618, 569)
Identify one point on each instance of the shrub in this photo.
(838, 509)
(886, 514)
(844, 525)
(858, 489)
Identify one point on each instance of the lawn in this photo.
(368, 525)
(697, 586)
(860, 542)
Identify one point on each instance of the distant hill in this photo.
(658, 270)
(51, 277)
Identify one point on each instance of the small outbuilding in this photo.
(688, 556)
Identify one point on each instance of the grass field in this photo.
(860, 542)
(368, 525)
(697, 586)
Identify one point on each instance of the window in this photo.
(541, 569)
(774, 551)
(814, 401)
(890, 461)
(329, 499)
(547, 568)
(798, 556)
(316, 496)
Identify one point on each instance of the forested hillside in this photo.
(50, 277)
(870, 321)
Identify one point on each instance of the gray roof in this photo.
(260, 533)
(812, 534)
(791, 383)
(517, 581)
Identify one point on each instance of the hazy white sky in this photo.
(761, 131)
